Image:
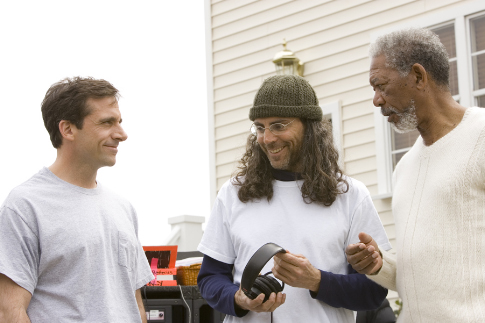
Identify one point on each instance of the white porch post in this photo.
(186, 231)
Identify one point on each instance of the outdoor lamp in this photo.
(287, 63)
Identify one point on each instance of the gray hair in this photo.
(404, 48)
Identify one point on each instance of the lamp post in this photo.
(287, 63)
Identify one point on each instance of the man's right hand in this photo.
(364, 256)
(257, 305)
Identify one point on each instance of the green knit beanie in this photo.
(286, 96)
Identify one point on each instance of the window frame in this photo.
(332, 110)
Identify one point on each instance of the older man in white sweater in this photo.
(439, 186)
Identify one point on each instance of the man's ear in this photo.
(421, 76)
(67, 129)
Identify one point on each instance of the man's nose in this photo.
(120, 134)
(269, 136)
(378, 99)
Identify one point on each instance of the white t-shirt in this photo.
(236, 230)
(74, 249)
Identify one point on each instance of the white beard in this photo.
(408, 121)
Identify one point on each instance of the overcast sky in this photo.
(154, 53)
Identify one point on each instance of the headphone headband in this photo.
(256, 263)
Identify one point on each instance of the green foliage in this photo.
(398, 310)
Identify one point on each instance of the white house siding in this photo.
(332, 38)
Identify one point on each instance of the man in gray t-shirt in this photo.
(69, 249)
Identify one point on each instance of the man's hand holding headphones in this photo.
(296, 271)
(257, 305)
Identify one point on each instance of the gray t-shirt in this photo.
(75, 250)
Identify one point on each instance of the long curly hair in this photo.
(323, 178)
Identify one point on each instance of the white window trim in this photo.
(332, 110)
(459, 16)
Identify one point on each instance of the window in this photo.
(331, 111)
(477, 50)
(462, 32)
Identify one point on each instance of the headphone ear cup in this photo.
(262, 287)
(276, 287)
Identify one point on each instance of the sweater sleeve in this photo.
(387, 274)
(353, 291)
(215, 282)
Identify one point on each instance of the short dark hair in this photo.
(66, 100)
(404, 48)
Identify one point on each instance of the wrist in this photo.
(382, 264)
(318, 278)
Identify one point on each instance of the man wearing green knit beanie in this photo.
(289, 190)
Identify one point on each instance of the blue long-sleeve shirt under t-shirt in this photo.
(353, 291)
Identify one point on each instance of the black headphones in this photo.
(252, 283)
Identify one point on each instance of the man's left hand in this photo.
(296, 271)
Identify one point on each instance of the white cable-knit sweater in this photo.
(439, 212)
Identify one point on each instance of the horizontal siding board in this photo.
(311, 50)
(359, 152)
(357, 109)
(338, 59)
(360, 166)
(386, 218)
(232, 116)
(237, 102)
(229, 156)
(372, 189)
(276, 19)
(368, 178)
(228, 5)
(327, 28)
(352, 96)
(348, 90)
(245, 12)
(343, 85)
(383, 205)
(359, 138)
(260, 14)
(233, 129)
(256, 57)
(358, 69)
(221, 181)
(251, 72)
(358, 123)
(226, 169)
(390, 231)
(238, 88)
(229, 143)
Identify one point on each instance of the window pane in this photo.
(396, 158)
(447, 37)
(478, 71)
(403, 140)
(453, 78)
(481, 101)
(478, 34)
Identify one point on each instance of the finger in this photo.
(266, 306)
(363, 264)
(367, 239)
(288, 260)
(280, 299)
(354, 248)
(359, 256)
(254, 304)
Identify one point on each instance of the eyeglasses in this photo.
(276, 128)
